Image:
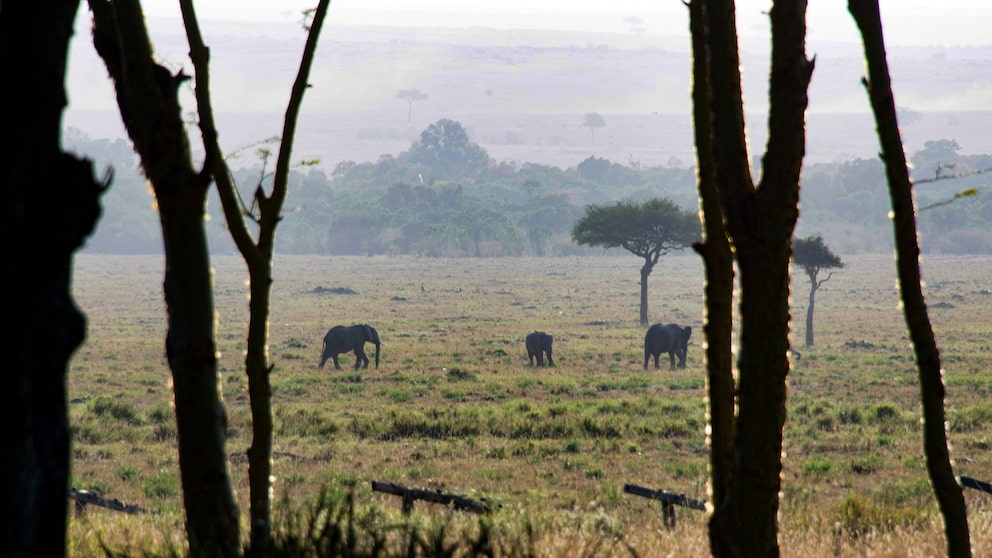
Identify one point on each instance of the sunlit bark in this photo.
(147, 95)
(258, 257)
(946, 488)
(760, 221)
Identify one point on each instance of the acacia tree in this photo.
(812, 255)
(265, 212)
(759, 223)
(718, 260)
(50, 205)
(592, 121)
(945, 485)
(147, 95)
(411, 96)
(650, 230)
(122, 42)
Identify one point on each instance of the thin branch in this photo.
(938, 177)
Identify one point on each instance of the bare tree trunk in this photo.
(760, 221)
(719, 264)
(147, 95)
(258, 257)
(809, 312)
(946, 487)
(645, 273)
(51, 204)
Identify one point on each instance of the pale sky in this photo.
(906, 22)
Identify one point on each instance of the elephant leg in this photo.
(551, 361)
(337, 366)
(671, 358)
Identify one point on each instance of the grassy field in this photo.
(454, 405)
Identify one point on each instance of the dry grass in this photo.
(454, 406)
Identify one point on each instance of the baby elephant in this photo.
(670, 339)
(539, 344)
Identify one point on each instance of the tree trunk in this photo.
(719, 265)
(51, 204)
(147, 95)
(813, 285)
(760, 222)
(645, 273)
(258, 257)
(945, 485)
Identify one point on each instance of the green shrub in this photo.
(108, 407)
(817, 468)
(162, 485)
(303, 423)
(886, 412)
(859, 516)
(971, 419)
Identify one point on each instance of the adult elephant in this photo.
(538, 345)
(670, 339)
(342, 339)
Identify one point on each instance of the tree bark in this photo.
(813, 286)
(718, 261)
(51, 204)
(258, 258)
(946, 488)
(645, 273)
(147, 95)
(760, 222)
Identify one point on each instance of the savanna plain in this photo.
(455, 407)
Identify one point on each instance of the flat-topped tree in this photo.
(410, 96)
(592, 121)
(812, 255)
(649, 229)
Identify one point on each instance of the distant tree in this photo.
(635, 24)
(908, 115)
(410, 96)
(812, 255)
(650, 230)
(444, 147)
(532, 186)
(937, 159)
(592, 121)
(593, 168)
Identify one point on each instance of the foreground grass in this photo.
(455, 407)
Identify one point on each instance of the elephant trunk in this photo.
(377, 354)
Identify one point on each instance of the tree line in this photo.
(445, 196)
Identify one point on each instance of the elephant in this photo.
(539, 344)
(670, 339)
(341, 339)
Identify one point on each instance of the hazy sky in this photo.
(917, 22)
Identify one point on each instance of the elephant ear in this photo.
(368, 332)
(687, 332)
